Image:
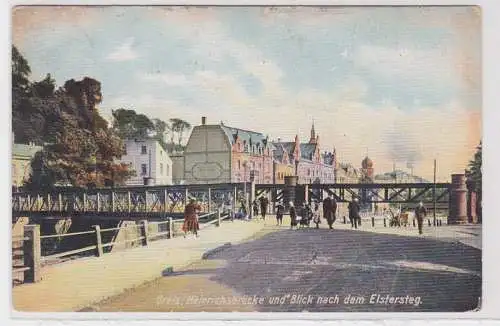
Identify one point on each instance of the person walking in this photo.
(329, 210)
(255, 208)
(191, 223)
(293, 216)
(316, 218)
(264, 203)
(420, 213)
(280, 210)
(354, 217)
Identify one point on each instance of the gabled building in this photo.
(217, 153)
(311, 165)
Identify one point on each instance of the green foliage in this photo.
(129, 124)
(474, 172)
(179, 126)
(79, 148)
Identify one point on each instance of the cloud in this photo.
(124, 52)
(434, 66)
(344, 115)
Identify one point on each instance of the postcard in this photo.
(246, 159)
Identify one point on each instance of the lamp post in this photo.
(434, 195)
(245, 163)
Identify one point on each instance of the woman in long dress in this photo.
(191, 218)
(293, 216)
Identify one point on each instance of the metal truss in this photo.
(157, 201)
(130, 201)
(383, 193)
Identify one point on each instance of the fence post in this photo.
(209, 200)
(129, 202)
(373, 221)
(385, 223)
(145, 232)
(170, 228)
(413, 222)
(59, 197)
(218, 217)
(100, 251)
(345, 222)
(32, 253)
(429, 222)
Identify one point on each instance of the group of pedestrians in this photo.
(304, 215)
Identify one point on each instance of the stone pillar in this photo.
(289, 191)
(471, 202)
(458, 200)
(32, 253)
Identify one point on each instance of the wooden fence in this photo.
(30, 244)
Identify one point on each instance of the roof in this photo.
(245, 135)
(255, 139)
(307, 151)
(23, 150)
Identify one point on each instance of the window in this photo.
(161, 168)
(144, 169)
(239, 165)
(144, 149)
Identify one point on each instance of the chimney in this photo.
(203, 120)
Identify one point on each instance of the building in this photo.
(21, 162)
(367, 170)
(177, 168)
(311, 165)
(399, 176)
(221, 154)
(149, 160)
(346, 173)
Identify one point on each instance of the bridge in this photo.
(159, 202)
(148, 219)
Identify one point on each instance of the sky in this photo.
(399, 84)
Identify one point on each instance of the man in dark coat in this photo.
(354, 217)
(420, 213)
(280, 210)
(264, 202)
(329, 210)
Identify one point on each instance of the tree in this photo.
(82, 149)
(20, 72)
(44, 88)
(161, 129)
(179, 126)
(475, 176)
(129, 124)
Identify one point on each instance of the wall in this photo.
(135, 157)
(308, 172)
(21, 170)
(163, 165)
(207, 158)
(282, 170)
(177, 168)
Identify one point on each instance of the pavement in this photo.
(468, 234)
(76, 284)
(366, 270)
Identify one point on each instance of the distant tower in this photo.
(367, 167)
(313, 138)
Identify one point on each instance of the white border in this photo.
(491, 119)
